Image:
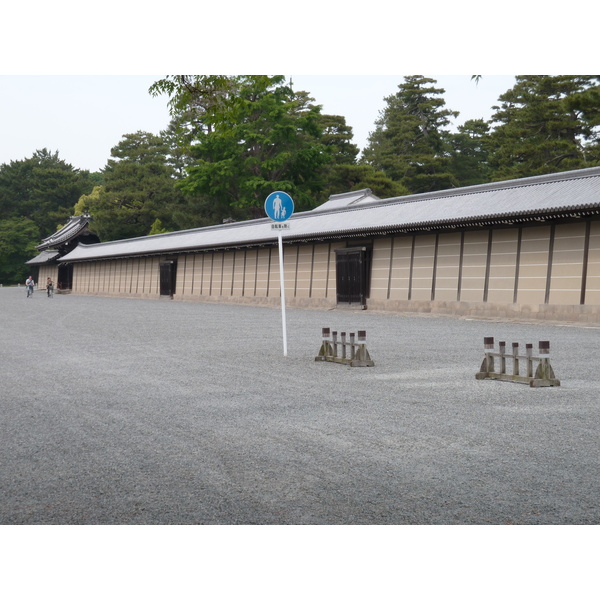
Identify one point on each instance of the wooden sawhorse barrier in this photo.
(352, 352)
(522, 366)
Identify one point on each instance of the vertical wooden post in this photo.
(529, 352)
(326, 332)
(362, 340)
(515, 349)
(488, 345)
(544, 350)
(335, 348)
(343, 336)
(502, 350)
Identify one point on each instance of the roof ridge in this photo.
(500, 185)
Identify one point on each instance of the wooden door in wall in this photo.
(168, 277)
(352, 276)
(65, 276)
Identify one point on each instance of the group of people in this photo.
(30, 284)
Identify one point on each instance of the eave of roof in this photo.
(71, 230)
(573, 193)
(43, 257)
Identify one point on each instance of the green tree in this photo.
(18, 239)
(157, 227)
(139, 188)
(410, 143)
(470, 153)
(337, 138)
(546, 124)
(349, 177)
(88, 202)
(42, 188)
(250, 135)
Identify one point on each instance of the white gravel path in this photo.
(123, 411)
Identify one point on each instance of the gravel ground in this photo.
(128, 411)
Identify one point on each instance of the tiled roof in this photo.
(509, 201)
(338, 201)
(75, 226)
(43, 257)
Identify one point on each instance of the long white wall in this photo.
(545, 271)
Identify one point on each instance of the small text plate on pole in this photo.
(279, 206)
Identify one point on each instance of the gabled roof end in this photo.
(337, 201)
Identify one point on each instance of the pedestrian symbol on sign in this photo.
(279, 206)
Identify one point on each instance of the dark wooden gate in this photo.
(352, 274)
(168, 277)
(65, 277)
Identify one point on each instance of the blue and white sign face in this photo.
(279, 206)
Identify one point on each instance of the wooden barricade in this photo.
(521, 367)
(352, 352)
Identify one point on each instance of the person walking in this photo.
(49, 287)
(29, 283)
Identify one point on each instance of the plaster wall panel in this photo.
(250, 273)
(238, 269)
(227, 282)
(216, 275)
(290, 262)
(304, 271)
(262, 272)
(447, 267)
(533, 265)
(400, 273)
(274, 289)
(475, 251)
(503, 265)
(321, 269)
(422, 272)
(380, 268)
(567, 264)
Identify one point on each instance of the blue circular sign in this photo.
(279, 206)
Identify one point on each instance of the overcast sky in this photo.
(84, 116)
(96, 66)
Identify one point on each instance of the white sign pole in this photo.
(282, 286)
(279, 207)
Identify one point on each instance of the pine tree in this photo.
(546, 124)
(470, 150)
(410, 143)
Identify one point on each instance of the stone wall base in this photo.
(567, 313)
(580, 314)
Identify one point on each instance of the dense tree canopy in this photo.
(250, 135)
(257, 136)
(42, 188)
(36, 198)
(139, 188)
(18, 239)
(342, 173)
(410, 143)
(546, 124)
(470, 153)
